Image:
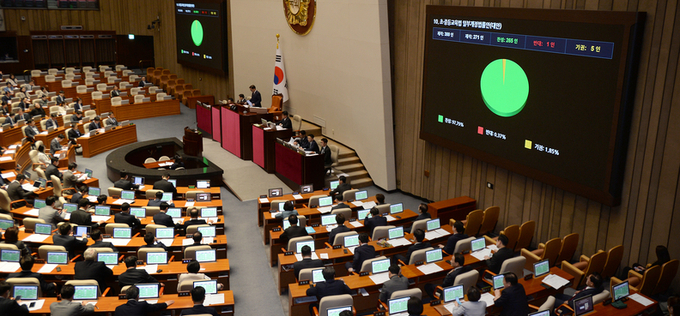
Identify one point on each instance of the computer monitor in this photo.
(138, 180)
(299, 245)
(620, 291)
(156, 258)
(209, 212)
(452, 293)
(9, 255)
(398, 305)
(173, 181)
(478, 244)
(275, 192)
(174, 212)
(165, 233)
(583, 305)
(394, 233)
(210, 286)
(148, 290)
(70, 207)
(39, 203)
(541, 268)
(433, 224)
(380, 266)
(325, 201)
(351, 241)
(102, 210)
(541, 313)
(433, 255)
(127, 195)
(122, 232)
(6, 223)
(167, 196)
(43, 229)
(94, 191)
(80, 230)
(317, 276)
(498, 282)
(203, 197)
(57, 257)
(202, 184)
(363, 214)
(396, 208)
(361, 195)
(85, 292)
(334, 184)
(286, 224)
(206, 255)
(27, 292)
(108, 258)
(41, 181)
(207, 231)
(307, 188)
(88, 172)
(138, 212)
(336, 311)
(328, 219)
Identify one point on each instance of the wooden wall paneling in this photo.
(566, 217)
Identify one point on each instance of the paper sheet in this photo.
(10, 151)
(11, 146)
(488, 298)
(264, 200)
(150, 268)
(399, 242)
(9, 266)
(481, 254)
(92, 198)
(356, 224)
(430, 268)
(214, 299)
(390, 218)
(325, 209)
(358, 203)
(451, 306)
(36, 238)
(5, 158)
(187, 241)
(351, 249)
(641, 299)
(28, 187)
(32, 212)
(178, 220)
(8, 174)
(555, 281)
(121, 201)
(189, 204)
(368, 205)
(47, 268)
(38, 304)
(297, 196)
(117, 241)
(299, 256)
(96, 218)
(166, 242)
(141, 187)
(323, 256)
(380, 278)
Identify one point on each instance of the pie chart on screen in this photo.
(505, 87)
(197, 33)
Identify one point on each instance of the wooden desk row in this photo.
(96, 144)
(146, 110)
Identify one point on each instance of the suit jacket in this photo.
(452, 241)
(342, 187)
(513, 300)
(164, 185)
(18, 117)
(451, 276)
(470, 308)
(292, 232)
(54, 146)
(142, 83)
(69, 242)
(328, 288)
(16, 192)
(70, 179)
(374, 222)
(137, 308)
(50, 216)
(10, 307)
(193, 222)
(51, 123)
(70, 308)
(73, 133)
(340, 206)
(46, 287)
(161, 218)
(362, 253)
(156, 245)
(256, 99)
(286, 123)
(154, 202)
(31, 131)
(416, 246)
(52, 170)
(77, 107)
(306, 263)
(76, 197)
(112, 121)
(326, 153)
(75, 118)
(103, 244)
(94, 126)
(313, 146)
(285, 214)
(133, 276)
(115, 93)
(494, 264)
(125, 185)
(423, 216)
(200, 309)
(395, 283)
(60, 99)
(335, 231)
(126, 218)
(95, 270)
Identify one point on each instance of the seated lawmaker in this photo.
(293, 231)
(11, 237)
(343, 186)
(197, 297)
(91, 269)
(285, 121)
(306, 262)
(99, 242)
(340, 220)
(593, 287)
(66, 306)
(124, 183)
(193, 215)
(165, 185)
(193, 268)
(330, 287)
(11, 306)
(65, 238)
(376, 220)
(136, 307)
(340, 204)
(288, 210)
(458, 235)
(495, 262)
(161, 218)
(133, 275)
(513, 298)
(125, 217)
(152, 242)
(313, 146)
(26, 266)
(361, 254)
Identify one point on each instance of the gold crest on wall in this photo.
(300, 15)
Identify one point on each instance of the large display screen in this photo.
(202, 34)
(544, 93)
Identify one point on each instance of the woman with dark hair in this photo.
(12, 238)
(662, 256)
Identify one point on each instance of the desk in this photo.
(204, 117)
(104, 105)
(456, 208)
(182, 191)
(295, 169)
(157, 164)
(10, 136)
(145, 110)
(263, 205)
(191, 101)
(108, 140)
(179, 203)
(237, 134)
(49, 136)
(264, 139)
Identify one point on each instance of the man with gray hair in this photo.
(91, 269)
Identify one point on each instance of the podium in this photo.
(193, 142)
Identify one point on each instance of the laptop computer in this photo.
(173, 181)
(209, 212)
(433, 224)
(328, 219)
(396, 208)
(122, 232)
(102, 210)
(43, 229)
(307, 188)
(203, 184)
(156, 258)
(361, 195)
(363, 214)
(80, 230)
(39, 203)
(398, 306)
(174, 212)
(275, 192)
(325, 201)
(138, 180)
(541, 268)
(89, 173)
(299, 245)
(6, 223)
(394, 233)
(498, 282)
(478, 244)
(210, 286)
(206, 255)
(336, 311)
(165, 233)
(70, 207)
(139, 212)
(203, 197)
(334, 184)
(207, 231)
(94, 191)
(583, 305)
(380, 266)
(541, 313)
(620, 291)
(148, 290)
(26, 292)
(351, 241)
(57, 257)
(434, 255)
(85, 292)
(9, 255)
(167, 197)
(108, 258)
(452, 293)
(317, 276)
(127, 195)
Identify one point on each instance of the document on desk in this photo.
(9, 152)
(297, 196)
(213, 299)
(555, 281)
(97, 218)
(92, 198)
(351, 249)
(299, 256)
(12, 147)
(5, 158)
(390, 218)
(488, 298)
(150, 268)
(324, 255)
(38, 304)
(9, 266)
(167, 242)
(121, 201)
(481, 254)
(8, 174)
(451, 306)
(430, 268)
(264, 200)
(28, 187)
(325, 209)
(118, 241)
(368, 205)
(32, 212)
(36, 238)
(399, 242)
(356, 224)
(47, 268)
(189, 204)
(178, 220)
(380, 278)
(641, 299)
(358, 203)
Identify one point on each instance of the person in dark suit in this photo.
(65, 238)
(96, 236)
(125, 184)
(78, 105)
(31, 130)
(96, 124)
(73, 133)
(10, 306)
(288, 210)
(593, 287)
(458, 235)
(161, 218)
(513, 298)
(60, 98)
(81, 216)
(340, 220)
(165, 185)
(361, 254)
(376, 220)
(52, 121)
(134, 307)
(115, 92)
(397, 282)
(458, 264)
(76, 197)
(55, 144)
(285, 121)
(12, 238)
(198, 296)
(16, 192)
(133, 275)
(494, 263)
(341, 204)
(342, 186)
(111, 120)
(422, 212)
(256, 98)
(22, 116)
(328, 288)
(37, 110)
(90, 269)
(157, 201)
(306, 262)
(325, 151)
(313, 146)
(414, 306)
(125, 217)
(142, 82)
(152, 242)
(53, 169)
(419, 234)
(26, 266)
(303, 141)
(66, 307)
(293, 231)
(77, 116)
(193, 219)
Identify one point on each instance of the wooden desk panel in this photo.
(47, 138)
(191, 101)
(10, 136)
(264, 139)
(295, 169)
(456, 208)
(102, 142)
(263, 207)
(146, 110)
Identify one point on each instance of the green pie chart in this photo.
(197, 33)
(505, 87)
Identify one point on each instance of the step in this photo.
(357, 174)
(351, 167)
(342, 155)
(362, 183)
(348, 160)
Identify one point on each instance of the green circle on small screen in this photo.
(505, 87)
(197, 33)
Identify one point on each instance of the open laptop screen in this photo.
(453, 292)
(334, 184)
(70, 207)
(209, 212)
(166, 233)
(122, 232)
(396, 232)
(43, 229)
(206, 255)
(27, 292)
(583, 305)
(138, 212)
(328, 219)
(325, 201)
(202, 184)
(398, 305)
(478, 244)
(433, 224)
(498, 282)
(167, 196)
(210, 286)
(620, 291)
(361, 195)
(433, 256)
(94, 191)
(127, 195)
(156, 258)
(396, 208)
(108, 258)
(57, 257)
(37, 203)
(80, 230)
(542, 267)
(207, 231)
(138, 180)
(351, 241)
(6, 223)
(102, 210)
(148, 290)
(380, 266)
(336, 311)
(85, 292)
(299, 245)
(174, 212)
